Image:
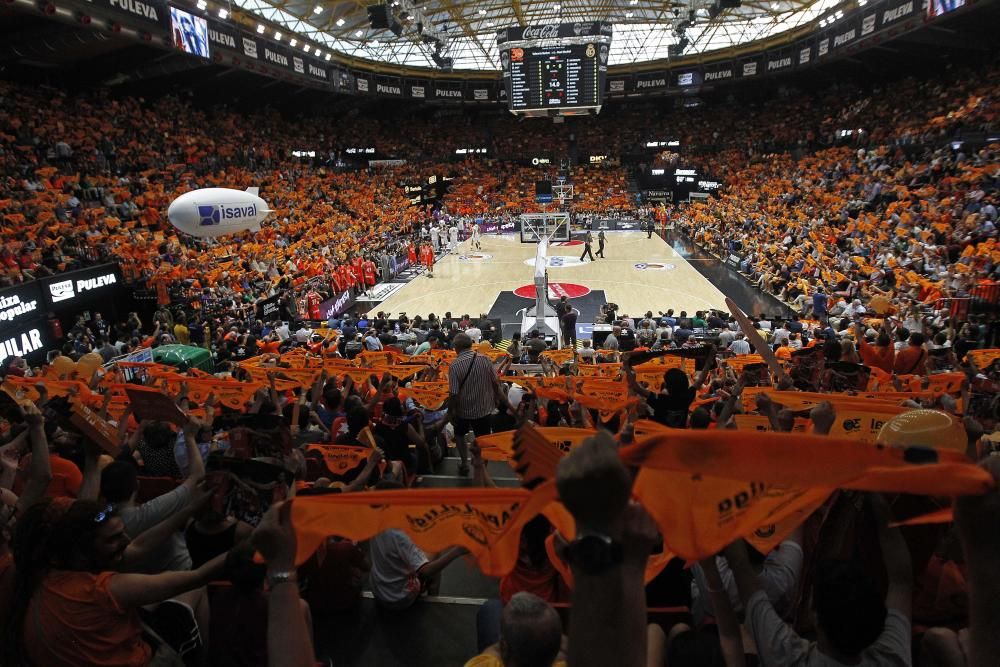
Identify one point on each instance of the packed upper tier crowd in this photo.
(136, 493)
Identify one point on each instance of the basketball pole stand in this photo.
(542, 316)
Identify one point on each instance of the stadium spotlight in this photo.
(340, 22)
(223, 13)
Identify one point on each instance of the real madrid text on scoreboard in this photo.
(557, 69)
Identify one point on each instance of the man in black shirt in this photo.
(626, 339)
(561, 307)
(568, 323)
(535, 346)
(670, 407)
(588, 242)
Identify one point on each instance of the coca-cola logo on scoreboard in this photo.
(550, 31)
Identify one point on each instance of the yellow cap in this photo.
(925, 428)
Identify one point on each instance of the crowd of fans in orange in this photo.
(120, 479)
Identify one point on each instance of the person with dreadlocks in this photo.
(74, 605)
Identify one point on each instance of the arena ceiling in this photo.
(643, 29)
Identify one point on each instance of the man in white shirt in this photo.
(854, 625)
(303, 334)
(778, 574)
(739, 346)
(586, 353)
(854, 309)
(475, 333)
(372, 343)
(284, 333)
(780, 334)
(611, 342)
(401, 572)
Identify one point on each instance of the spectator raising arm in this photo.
(895, 557)
(978, 518)
(614, 539)
(288, 640)
(40, 471)
(730, 637)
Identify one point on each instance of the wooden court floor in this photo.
(638, 274)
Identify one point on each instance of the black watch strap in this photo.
(594, 553)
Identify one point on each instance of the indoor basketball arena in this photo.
(499, 333)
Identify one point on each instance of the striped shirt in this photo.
(478, 396)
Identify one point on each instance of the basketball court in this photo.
(638, 274)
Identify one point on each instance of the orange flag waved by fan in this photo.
(487, 522)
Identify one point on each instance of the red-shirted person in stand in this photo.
(346, 276)
(312, 305)
(427, 257)
(368, 267)
(357, 266)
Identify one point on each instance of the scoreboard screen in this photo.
(554, 77)
(555, 69)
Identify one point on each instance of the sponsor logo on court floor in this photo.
(654, 266)
(557, 262)
(556, 290)
(475, 257)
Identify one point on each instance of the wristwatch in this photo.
(276, 578)
(593, 553)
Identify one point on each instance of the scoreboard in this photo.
(555, 69)
(554, 77)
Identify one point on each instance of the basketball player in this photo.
(476, 236)
(427, 257)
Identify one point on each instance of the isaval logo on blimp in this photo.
(209, 215)
(213, 214)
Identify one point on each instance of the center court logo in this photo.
(653, 266)
(557, 262)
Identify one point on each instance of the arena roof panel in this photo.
(643, 30)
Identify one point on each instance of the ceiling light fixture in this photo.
(340, 22)
(293, 42)
(317, 10)
(202, 5)
(277, 36)
(223, 14)
(260, 28)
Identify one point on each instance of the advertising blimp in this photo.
(213, 212)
